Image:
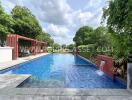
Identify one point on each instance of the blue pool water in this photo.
(63, 70)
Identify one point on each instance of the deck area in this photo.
(10, 91)
(64, 94)
(9, 64)
(12, 80)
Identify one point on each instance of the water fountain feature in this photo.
(100, 71)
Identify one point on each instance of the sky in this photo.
(62, 18)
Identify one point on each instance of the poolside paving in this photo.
(64, 94)
(12, 80)
(9, 64)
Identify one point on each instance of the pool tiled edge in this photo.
(86, 59)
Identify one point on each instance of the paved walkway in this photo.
(64, 94)
(19, 60)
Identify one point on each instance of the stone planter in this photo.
(129, 76)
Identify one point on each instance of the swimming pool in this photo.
(63, 71)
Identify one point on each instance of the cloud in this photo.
(8, 5)
(93, 5)
(81, 18)
(61, 34)
(58, 31)
(52, 11)
(63, 40)
(59, 18)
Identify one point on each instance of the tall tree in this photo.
(82, 35)
(6, 24)
(25, 22)
(119, 21)
(71, 46)
(86, 35)
(46, 38)
(101, 37)
(56, 46)
(64, 46)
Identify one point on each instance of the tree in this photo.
(63, 46)
(71, 46)
(82, 35)
(27, 25)
(46, 38)
(56, 46)
(86, 35)
(6, 24)
(22, 22)
(101, 37)
(118, 15)
(25, 22)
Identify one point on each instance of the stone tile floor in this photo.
(11, 80)
(9, 64)
(63, 94)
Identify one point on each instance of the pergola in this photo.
(36, 46)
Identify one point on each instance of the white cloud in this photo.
(63, 40)
(84, 17)
(80, 18)
(58, 17)
(8, 5)
(61, 34)
(52, 11)
(93, 4)
(58, 31)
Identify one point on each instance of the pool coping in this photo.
(12, 80)
(64, 94)
(86, 59)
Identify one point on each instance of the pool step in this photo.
(42, 84)
(12, 80)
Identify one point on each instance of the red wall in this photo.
(108, 66)
(12, 41)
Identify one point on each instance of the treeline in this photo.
(93, 41)
(117, 35)
(63, 46)
(87, 35)
(21, 21)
